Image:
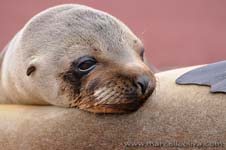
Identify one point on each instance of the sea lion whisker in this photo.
(107, 98)
(114, 99)
(104, 99)
(105, 92)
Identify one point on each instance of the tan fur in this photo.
(55, 38)
(173, 113)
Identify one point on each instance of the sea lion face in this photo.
(108, 83)
(87, 59)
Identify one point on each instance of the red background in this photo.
(175, 33)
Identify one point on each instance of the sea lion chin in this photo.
(76, 56)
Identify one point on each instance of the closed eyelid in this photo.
(142, 50)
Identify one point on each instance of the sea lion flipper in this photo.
(213, 75)
(219, 87)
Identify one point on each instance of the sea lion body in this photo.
(42, 63)
(173, 116)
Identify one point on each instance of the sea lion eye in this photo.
(142, 53)
(86, 64)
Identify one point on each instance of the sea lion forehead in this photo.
(68, 23)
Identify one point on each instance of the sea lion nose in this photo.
(143, 82)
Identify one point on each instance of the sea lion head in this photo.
(77, 56)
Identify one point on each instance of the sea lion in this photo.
(175, 117)
(76, 56)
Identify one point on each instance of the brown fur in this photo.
(81, 91)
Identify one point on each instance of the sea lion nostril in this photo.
(143, 82)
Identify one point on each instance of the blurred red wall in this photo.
(175, 33)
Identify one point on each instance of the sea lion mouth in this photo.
(117, 105)
(115, 96)
(116, 108)
(129, 101)
(104, 106)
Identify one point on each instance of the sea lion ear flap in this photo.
(213, 75)
(30, 70)
(32, 66)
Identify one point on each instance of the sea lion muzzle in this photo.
(127, 96)
(110, 92)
